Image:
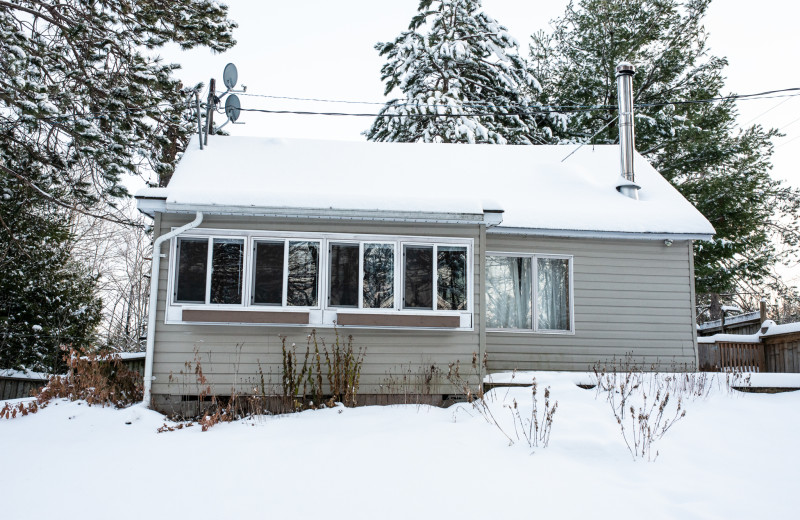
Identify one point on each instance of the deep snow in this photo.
(733, 456)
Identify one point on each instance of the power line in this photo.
(518, 110)
(758, 95)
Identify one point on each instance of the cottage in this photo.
(541, 257)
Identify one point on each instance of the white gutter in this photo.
(151, 317)
(581, 233)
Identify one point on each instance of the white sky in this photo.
(324, 49)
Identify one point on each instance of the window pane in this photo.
(418, 277)
(451, 283)
(344, 275)
(268, 266)
(192, 264)
(508, 292)
(303, 274)
(552, 297)
(226, 271)
(378, 276)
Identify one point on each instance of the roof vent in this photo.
(627, 185)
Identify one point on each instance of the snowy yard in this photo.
(734, 455)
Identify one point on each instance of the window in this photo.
(365, 269)
(528, 292)
(224, 278)
(303, 278)
(192, 266)
(378, 291)
(268, 259)
(508, 292)
(552, 294)
(227, 261)
(344, 275)
(333, 274)
(448, 281)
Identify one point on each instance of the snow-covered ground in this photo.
(734, 455)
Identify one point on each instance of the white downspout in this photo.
(151, 315)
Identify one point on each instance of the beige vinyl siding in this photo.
(230, 355)
(629, 296)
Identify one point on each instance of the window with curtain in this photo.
(552, 294)
(528, 293)
(508, 292)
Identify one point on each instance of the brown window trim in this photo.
(216, 316)
(402, 320)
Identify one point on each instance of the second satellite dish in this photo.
(230, 76)
(232, 107)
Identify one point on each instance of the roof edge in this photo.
(150, 206)
(583, 233)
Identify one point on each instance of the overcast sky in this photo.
(324, 49)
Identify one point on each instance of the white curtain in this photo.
(552, 294)
(508, 292)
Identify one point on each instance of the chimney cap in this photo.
(625, 68)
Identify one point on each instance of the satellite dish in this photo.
(230, 75)
(232, 107)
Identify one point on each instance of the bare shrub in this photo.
(304, 376)
(646, 405)
(534, 428)
(99, 378)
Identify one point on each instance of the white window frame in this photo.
(251, 237)
(209, 270)
(535, 289)
(285, 288)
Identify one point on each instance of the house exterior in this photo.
(427, 254)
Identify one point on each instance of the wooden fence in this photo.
(775, 353)
(731, 356)
(782, 352)
(17, 387)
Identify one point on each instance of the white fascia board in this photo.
(150, 205)
(579, 233)
(319, 213)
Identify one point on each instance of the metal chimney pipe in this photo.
(625, 73)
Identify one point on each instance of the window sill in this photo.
(177, 315)
(530, 331)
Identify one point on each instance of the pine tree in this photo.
(83, 102)
(47, 300)
(724, 171)
(462, 80)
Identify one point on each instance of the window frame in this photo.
(535, 292)
(324, 240)
(173, 271)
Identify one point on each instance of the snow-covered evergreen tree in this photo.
(723, 170)
(83, 102)
(47, 300)
(462, 80)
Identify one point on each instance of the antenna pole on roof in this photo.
(211, 105)
(199, 123)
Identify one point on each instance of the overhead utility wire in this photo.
(520, 110)
(524, 111)
(757, 95)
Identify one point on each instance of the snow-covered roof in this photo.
(731, 320)
(533, 185)
(24, 374)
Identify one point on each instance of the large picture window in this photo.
(528, 292)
